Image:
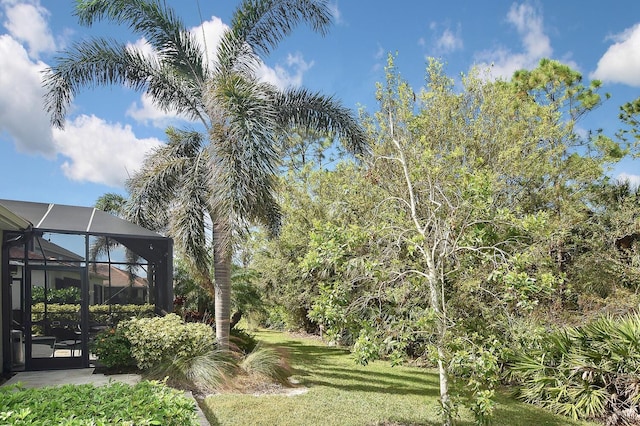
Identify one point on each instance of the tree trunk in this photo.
(222, 286)
(436, 304)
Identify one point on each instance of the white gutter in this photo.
(11, 221)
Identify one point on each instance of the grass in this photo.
(344, 393)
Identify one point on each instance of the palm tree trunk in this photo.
(222, 285)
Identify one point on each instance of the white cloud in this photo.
(147, 112)
(634, 180)
(142, 46)
(379, 53)
(100, 152)
(335, 11)
(445, 40)
(22, 116)
(26, 21)
(529, 25)
(621, 62)
(536, 44)
(449, 41)
(209, 34)
(285, 77)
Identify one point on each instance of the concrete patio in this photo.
(80, 376)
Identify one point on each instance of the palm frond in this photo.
(233, 55)
(262, 24)
(313, 111)
(160, 26)
(102, 62)
(101, 246)
(188, 220)
(244, 155)
(110, 203)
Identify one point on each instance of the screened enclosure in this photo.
(74, 272)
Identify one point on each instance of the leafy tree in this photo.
(572, 162)
(319, 208)
(448, 167)
(608, 257)
(243, 116)
(630, 117)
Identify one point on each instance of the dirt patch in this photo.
(304, 335)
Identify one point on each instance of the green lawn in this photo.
(344, 393)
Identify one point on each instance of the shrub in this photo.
(113, 349)
(63, 295)
(100, 314)
(242, 341)
(264, 362)
(146, 403)
(586, 372)
(156, 340)
(112, 314)
(202, 373)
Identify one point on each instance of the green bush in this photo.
(113, 314)
(155, 340)
(147, 403)
(99, 314)
(586, 372)
(63, 295)
(113, 349)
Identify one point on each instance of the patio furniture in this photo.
(66, 338)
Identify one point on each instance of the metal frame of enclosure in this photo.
(62, 284)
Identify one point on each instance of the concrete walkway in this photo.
(82, 376)
(79, 376)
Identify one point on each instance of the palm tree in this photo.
(114, 204)
(243, 117)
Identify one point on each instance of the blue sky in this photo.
(109, 130)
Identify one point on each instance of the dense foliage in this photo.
(154, 340)
(112, 348)
(99, 314)
(484, 220)
(586, 372)
(147, 403)
(67, 295)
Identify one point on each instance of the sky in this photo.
(109, 130)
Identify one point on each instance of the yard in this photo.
(341, 392)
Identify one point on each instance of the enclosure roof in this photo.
(75, 219)
(10, 221)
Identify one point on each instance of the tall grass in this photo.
(202, 373)
(267, 363)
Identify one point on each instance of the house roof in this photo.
(45, 249)
(63, 218)
(119, 277)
